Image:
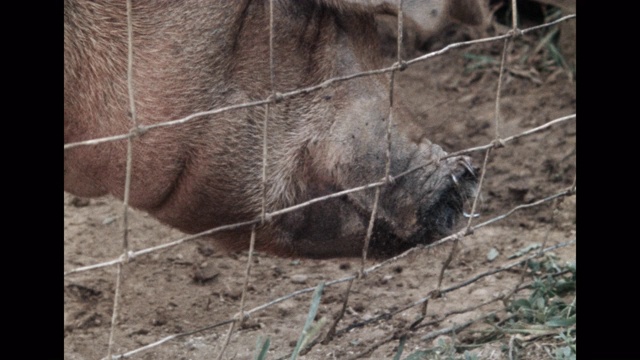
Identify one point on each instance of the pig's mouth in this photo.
(447, 190)
(419, 208)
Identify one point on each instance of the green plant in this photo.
(261, 350)
(545, 311)
(308, 332)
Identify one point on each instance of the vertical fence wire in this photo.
(127, 185)
(386, 178)
(498, 142)
(241, 315)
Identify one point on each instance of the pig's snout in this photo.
(445, 193)
(442, 191)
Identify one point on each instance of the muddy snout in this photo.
(425, 206)
(446, 192)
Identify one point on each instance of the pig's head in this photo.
(417, 208)
(192, 56)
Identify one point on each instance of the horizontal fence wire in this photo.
(339, 281)
(280, 96)
(131, 255)
(140, 130)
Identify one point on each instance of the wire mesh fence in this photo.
(420, 328)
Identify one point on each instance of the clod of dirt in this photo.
(84, 320)
(358, 307)
(207, 272)
(518, 193)
(83, 293)
(160, 319)
(79, 202)
(251, 324)
(205, 250)
(277, 271)
(286, 308)
(139, 332)
(233, 294)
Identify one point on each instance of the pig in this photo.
(194, 55)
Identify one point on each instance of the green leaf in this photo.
(565, 353)
(418, 355)
(314, 329)
(564, 286)
(469, 356)
(261, 352)
(400, 348)
(525, 250)
(539, 303)
(313, 310)
(521, 304)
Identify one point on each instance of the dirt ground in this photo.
(193, 285)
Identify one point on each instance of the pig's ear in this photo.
(428, 16)
(470, 12)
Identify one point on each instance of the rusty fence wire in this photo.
(400, 64)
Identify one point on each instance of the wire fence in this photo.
(265, 216)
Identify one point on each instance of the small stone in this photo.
(442, 341)
(493, 254)
(299, 279)
(109, 220)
